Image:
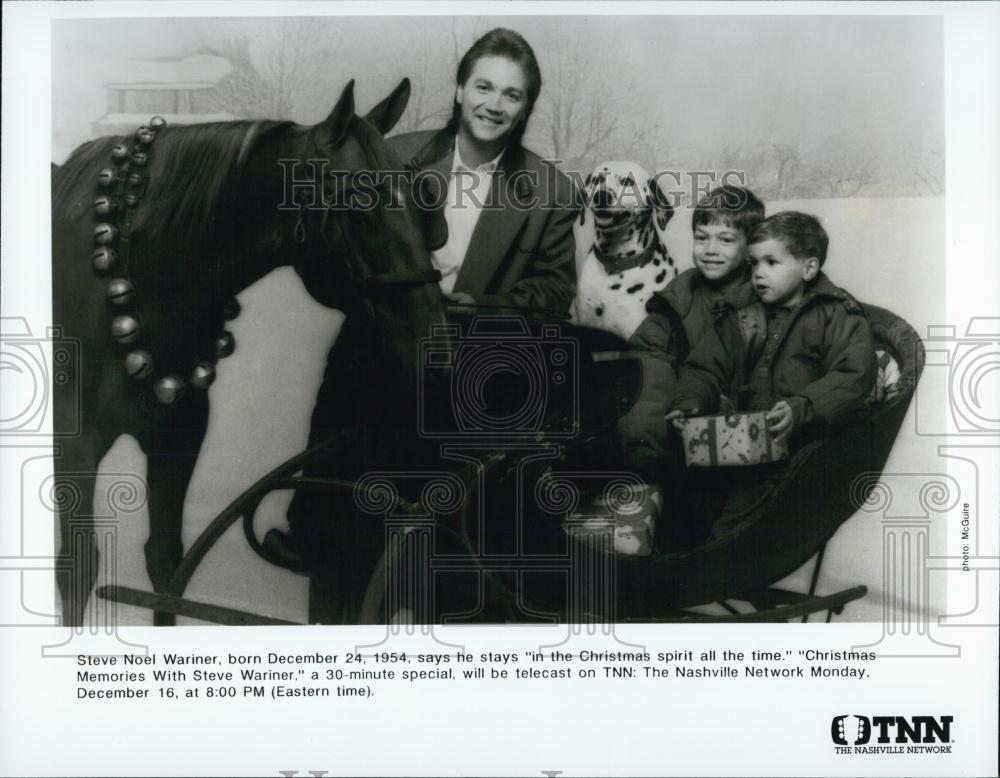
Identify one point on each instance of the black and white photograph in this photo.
(533, 354)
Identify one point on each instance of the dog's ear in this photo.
(583, 235)
(660, 203)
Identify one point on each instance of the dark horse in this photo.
(154, 235)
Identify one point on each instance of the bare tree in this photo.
(843, 176)
(431, 88)
(786, 164)
(271, 71)
(750, 163)
(585, 114)
(462, 39)
(929, 171)
(575, 124)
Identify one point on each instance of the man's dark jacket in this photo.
(522, 251)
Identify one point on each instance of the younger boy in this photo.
(806, 354)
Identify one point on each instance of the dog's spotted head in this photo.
(621, 192)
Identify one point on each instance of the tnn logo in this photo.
(915, 729)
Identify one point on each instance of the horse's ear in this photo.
(331, 132)
(387, 113)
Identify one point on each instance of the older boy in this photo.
(699, 300)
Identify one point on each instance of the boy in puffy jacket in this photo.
(702, 299)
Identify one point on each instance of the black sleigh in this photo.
(767, 538)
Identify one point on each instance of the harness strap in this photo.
(403, 277)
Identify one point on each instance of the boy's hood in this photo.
(823, 287)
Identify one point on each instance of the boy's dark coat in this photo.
(822, 361)
(679, 316)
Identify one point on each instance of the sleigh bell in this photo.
(140, 158)
(103, 260)
(119, 153)
(105, 176)
(104, 205)
(157, 123)
(124, 329)
(138, 364)
(231, 309)
(120, 291)
(203, 375)
(224, 345)
(145, 135)
(105, 234)
(131, 200)
(135, 179)
(168, 389)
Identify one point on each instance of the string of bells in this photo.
(121, 188)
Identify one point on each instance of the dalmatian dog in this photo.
(621, 257)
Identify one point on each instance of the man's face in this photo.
(778, 276)
(494, 100)
(719, 250)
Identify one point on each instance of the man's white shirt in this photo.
(468, 190)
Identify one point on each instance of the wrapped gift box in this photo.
(730, 440)
(625, 528)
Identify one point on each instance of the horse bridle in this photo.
(357, 277)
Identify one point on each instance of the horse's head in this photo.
(363, 247)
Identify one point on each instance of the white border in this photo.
(704, 730)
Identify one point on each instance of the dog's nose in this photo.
(603, 199)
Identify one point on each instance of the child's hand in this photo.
(676, 419)
(780, 420)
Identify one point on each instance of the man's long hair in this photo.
(501, 42)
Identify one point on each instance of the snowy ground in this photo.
(886, 251)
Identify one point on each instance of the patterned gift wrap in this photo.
(733, 440)
(622, 527)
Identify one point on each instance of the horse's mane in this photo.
(192, 174)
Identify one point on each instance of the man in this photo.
(509, 244)
(509, 215)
